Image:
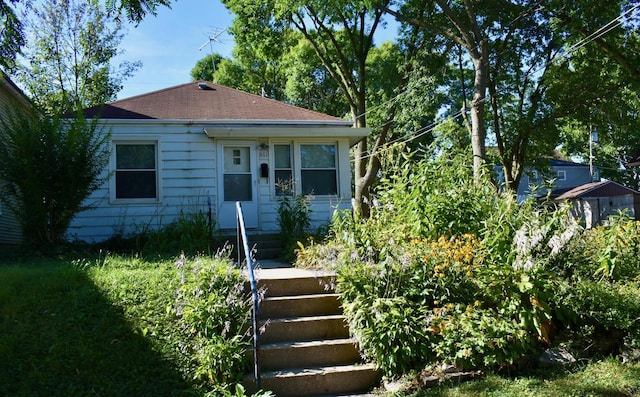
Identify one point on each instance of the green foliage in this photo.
(12, 38)
(206, 67)
(213, 312)
(294, 219)
(48, 167)
(608, 377)
(420, 287)
(135, 10)
(191, 233)
(609, 251)
(68, 62)
(116, 325)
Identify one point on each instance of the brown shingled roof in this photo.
(594, 189)
(202, 100)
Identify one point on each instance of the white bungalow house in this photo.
(11, 99)
(201, 147)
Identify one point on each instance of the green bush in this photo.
(610, 251)
(446, 270)
(213, 311)
(48, 167)
(294, 219)
(192, 233)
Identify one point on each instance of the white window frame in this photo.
(296, 165)
(291, 168)
(561, 175)
(113, 166)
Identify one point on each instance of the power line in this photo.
(582, 43)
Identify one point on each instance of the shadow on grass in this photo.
(59, 336)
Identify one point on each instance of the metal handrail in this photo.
(242, 242)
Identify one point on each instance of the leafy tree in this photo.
(341, 35)
(48, 167)
(12, 37)
(464, 23)
(206, 67)
(508, 51)
(68, 64)
(135, 10)
(597, 84)
(11, 34)
(310, 85)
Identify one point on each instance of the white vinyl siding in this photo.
(186, 165)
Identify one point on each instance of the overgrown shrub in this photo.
(471, 280)
(48, 167)
(191, 233)
(294, 219)
(213, 311)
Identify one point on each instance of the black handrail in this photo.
(242, 242)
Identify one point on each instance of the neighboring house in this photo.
(201, 147)
(595, 202)
(11, 98)
(564, 174)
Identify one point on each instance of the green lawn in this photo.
(73, 330)
(608, 378)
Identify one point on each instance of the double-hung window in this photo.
(318, 172)
(283, 169)
(306, 168)
(136, 170)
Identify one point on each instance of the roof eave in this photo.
(355, 135)
(234, 122)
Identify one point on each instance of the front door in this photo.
(237, 181)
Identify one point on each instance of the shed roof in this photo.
(203, 100)
(594, 189)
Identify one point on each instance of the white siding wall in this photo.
(186, 182)
(322, 207)
(187, 173)
(10, 98)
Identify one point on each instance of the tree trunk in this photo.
(478, 132)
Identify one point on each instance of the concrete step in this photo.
(299, 305)
(318, 381)
(304, 329)
(305, 354)
(296, 286)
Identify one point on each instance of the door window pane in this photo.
(237, 187)
(236, 159)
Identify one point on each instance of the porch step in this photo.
(304, 329)
(320, 381)
(305, 347)
(288, 355)
(299, 305)
(297, 284)
(268, 246)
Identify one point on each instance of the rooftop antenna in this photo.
(213, 37)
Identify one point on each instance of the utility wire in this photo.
(582, 43)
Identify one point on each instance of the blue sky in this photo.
(168, 43)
